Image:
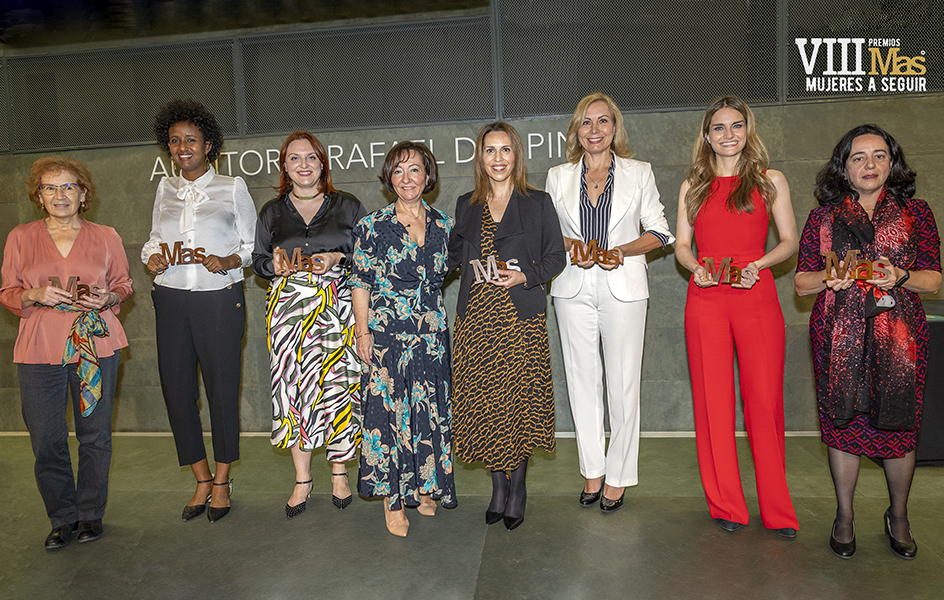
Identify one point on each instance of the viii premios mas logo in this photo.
(867, 65)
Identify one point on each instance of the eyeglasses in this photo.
(69, 189)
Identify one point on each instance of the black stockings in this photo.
(518, 492)
(899, 472)
(499, 492)
(844, 468)
(898, 475)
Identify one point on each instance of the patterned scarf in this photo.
(871, 364)
(88, 324)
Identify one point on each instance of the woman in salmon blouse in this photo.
(66, 277)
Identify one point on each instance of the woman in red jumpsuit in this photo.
(726, 203)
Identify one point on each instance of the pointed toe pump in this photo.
(214, 514)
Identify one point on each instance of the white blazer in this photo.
(635, 202)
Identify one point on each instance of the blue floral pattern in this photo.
(407, 416)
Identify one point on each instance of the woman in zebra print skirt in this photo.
(303, 245)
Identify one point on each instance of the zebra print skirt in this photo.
(315, 372)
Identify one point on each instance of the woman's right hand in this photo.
(47, 296)
(278, 265)
(835, 284)
(569, 248)
(157, 264)
(702, 278)
(365, 346)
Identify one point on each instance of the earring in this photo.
(83, 205)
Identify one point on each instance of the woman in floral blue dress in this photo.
(400, 261)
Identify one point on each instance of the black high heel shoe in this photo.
(609, 506)
(842, 549)
(341, 503)
(214, 514)
(192, 511)
(294, 511)
(903, 550)
(513, 522)
(588, 499)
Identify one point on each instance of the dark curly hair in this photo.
(831, 184)
(400, 153)
(188, 111)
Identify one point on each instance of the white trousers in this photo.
(585, 320)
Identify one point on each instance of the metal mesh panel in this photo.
(914, 24)
(110, 97)
(645, 54)
(4, 123)
(393, 75)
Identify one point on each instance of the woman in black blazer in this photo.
(508, 243)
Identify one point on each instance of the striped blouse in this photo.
(595, 220)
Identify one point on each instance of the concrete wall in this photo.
(799, 138)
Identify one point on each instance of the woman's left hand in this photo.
(886, 282)
(215, 264)
(749, 276)
(509, 278)
(620, 255)
(324, 262)
(98, 298)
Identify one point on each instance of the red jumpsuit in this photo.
(719, 319)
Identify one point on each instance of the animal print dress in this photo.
(503, 395)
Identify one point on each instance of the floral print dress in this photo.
(406, 448)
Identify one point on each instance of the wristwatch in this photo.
(901, 281)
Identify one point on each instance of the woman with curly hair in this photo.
(304, 241)
(66, 277)
(869, 337)
(202, 232)
(726, 203)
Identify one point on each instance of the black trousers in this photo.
(204, 328)
(44, 393)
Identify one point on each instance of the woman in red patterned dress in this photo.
(869, 337)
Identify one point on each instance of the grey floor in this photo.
(661, 545)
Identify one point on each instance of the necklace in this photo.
(297, 197)
(596, 184)
(498, 198)
(406, 213)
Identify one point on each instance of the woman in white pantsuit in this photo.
(602, 195)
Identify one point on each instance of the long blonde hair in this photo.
(519, 173)
(620, 145)
(751, 167)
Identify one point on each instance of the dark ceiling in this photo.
(37, 23)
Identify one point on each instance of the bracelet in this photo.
(117, 299)
(357, 337)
